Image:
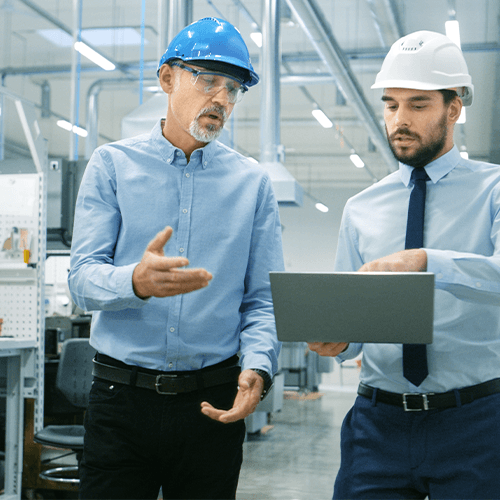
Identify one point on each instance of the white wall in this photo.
(310, 236)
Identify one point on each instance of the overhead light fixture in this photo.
(321, 207)
(256, 36)
(453, 31)
(358, 162)
(464, 155)
(97, 37)
(323, 120)
(72, 128)
(92, 55)
(318, 204)
(462, 118)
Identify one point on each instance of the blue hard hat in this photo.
(212, 40)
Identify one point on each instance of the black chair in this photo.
(74, 379)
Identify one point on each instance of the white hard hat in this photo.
(426, 60)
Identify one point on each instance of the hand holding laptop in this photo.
(405, 261)
(328, 349)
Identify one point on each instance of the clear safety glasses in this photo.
(210, 83)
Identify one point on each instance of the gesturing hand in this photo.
(250, 386)
(160, 276)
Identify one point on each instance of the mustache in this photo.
(404, 132)
(220, 110)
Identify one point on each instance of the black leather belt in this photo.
(432, 401)
(165, 383)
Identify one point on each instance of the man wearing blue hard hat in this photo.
(184, 354)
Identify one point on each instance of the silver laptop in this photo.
(354, 307)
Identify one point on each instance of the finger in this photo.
(208, 410)
(315, 346)
(159, 241)
(181, 276)
(223, 416)
(167, 289)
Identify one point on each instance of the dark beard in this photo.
(425, 154)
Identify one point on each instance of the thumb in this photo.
(159, 241)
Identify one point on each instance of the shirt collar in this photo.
(436, 170)
(167, 149)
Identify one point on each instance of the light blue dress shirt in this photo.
(462, 241)
(224, 215)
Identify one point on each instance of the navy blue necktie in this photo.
(415, 355)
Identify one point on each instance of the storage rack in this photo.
(23, 195)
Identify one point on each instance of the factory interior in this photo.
(313, 121)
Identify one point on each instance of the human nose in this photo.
(402, 117)
(222, 96)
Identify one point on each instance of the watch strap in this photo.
(268, 381)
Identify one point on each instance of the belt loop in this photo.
(374, 397)
(133, 376)
(458, 398)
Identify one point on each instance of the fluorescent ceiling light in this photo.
(98, 37)
(321, 207)
(324, 121)
(453, 31)
(64, 124)
(67, 126)
(464, 154)
(256, 36)
(252, 159)
(153, 88)
(96, 58)
(462, 118)
(358, 162)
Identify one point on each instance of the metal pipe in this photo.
(312, 21)
(178, 16)
(270, 101)
(352, 56)
(74, 94)
(92, 121)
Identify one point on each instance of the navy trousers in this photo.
(387, 453)
(137, 441)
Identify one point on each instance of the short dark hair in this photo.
(448, 95)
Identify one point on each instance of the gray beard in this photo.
(210, 132)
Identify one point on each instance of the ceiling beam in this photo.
(312, 21)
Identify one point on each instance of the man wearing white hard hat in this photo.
(184, 354)
(426, 420)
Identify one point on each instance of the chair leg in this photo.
(68, 475)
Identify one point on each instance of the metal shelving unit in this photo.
(23, 195)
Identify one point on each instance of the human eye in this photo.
(206, 81)
(233, 89)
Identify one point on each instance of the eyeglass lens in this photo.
(212, 84)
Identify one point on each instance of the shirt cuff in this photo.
(124, 282)
(439, 265)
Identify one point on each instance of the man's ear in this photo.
(454, 109)
(167, 78)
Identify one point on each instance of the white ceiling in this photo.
(317, 157)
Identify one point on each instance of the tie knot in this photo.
(419, 174)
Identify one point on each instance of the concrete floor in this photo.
(299, 456)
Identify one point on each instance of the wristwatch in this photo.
(268, 381)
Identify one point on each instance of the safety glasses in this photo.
(211, 84)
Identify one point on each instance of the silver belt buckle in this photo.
(158, 385)
(424, 398)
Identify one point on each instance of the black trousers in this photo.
(137, 441)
